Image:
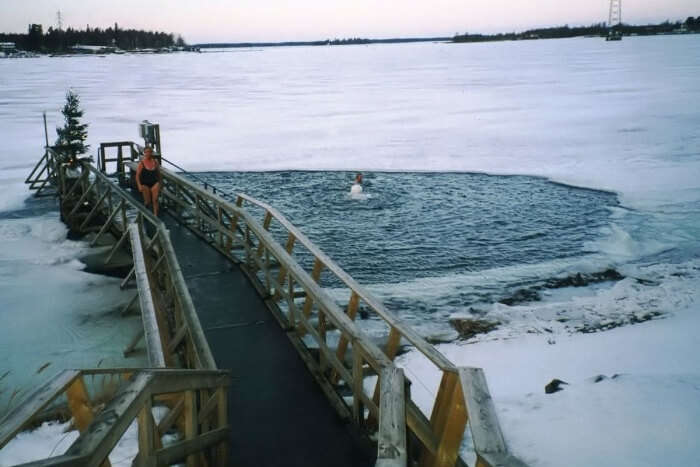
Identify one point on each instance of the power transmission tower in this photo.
(614, 21)
(59, 20)
(615, 16)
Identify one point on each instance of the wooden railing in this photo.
(195, 395)
(92, 201)
(43, 176)
(321, 327)
(324, 331)
(197, 401)
(126, 152)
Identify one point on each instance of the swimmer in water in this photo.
(357, 186)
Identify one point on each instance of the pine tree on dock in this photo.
(71, 138)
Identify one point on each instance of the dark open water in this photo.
(414, 226)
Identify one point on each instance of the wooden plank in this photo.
(391, 436)
(93, 211)
(76, 183)
(420, 426)
(351, 313)
(133, 343)
(485, 429)
(145, 437)
(79, 404)
(169, 420)
(282, 274)
(187, 380)
(450, 428)
(58, 461)
(266, 226)
(126, 280)
(440, 414)
(126, 309)
(185, 449)
(109, 221)
(392, 347)
(324, 349)
(15, 419)
(116, 246)
(31, 174)
(357, 389)
(110, 424)
(201, 346)
(190, 413)
(316, 276)
(207, 410)
(222, 416)
(177, 338)
(151, 330)
(82, 199)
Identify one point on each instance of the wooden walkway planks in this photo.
(278, 413)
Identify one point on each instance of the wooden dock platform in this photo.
(256, 364)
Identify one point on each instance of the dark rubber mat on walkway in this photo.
(278, 414)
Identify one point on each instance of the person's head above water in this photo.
(358, 178)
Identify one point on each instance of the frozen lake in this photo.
(619, 118)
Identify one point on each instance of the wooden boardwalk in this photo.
(279, 414)
(256, 363)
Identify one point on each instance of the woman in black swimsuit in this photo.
(148, 179)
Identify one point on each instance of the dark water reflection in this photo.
(416, 225)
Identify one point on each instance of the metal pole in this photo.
(46, 131)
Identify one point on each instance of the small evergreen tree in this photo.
(71, 138)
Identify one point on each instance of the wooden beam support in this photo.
(107, 223)
(15, 419)
(79, 404)
(391, 442)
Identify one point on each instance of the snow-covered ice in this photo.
(621, 117)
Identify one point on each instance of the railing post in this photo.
(391, 436)
(79, 404)
(358, 407)
(222, 415)
(289, 246)
(146, 435)
(351, 312)
(190, 413)
(448, 421)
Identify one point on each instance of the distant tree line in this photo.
(600, 29)
(353, 40)
(61, 40)
(323, 42)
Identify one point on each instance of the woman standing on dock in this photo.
(148, 179)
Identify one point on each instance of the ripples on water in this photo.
(416, 226)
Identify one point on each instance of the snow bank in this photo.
(647, 415)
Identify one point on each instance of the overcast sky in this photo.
(279, 20)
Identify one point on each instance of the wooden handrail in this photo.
(394, 321)
(199, 341)
(233, 230)
(489, 443)
(441, 434)
(154, 345)
(133, 400)
(391, 449)
(117, 196)
(13, 422)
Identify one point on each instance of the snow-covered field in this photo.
(622, 117)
